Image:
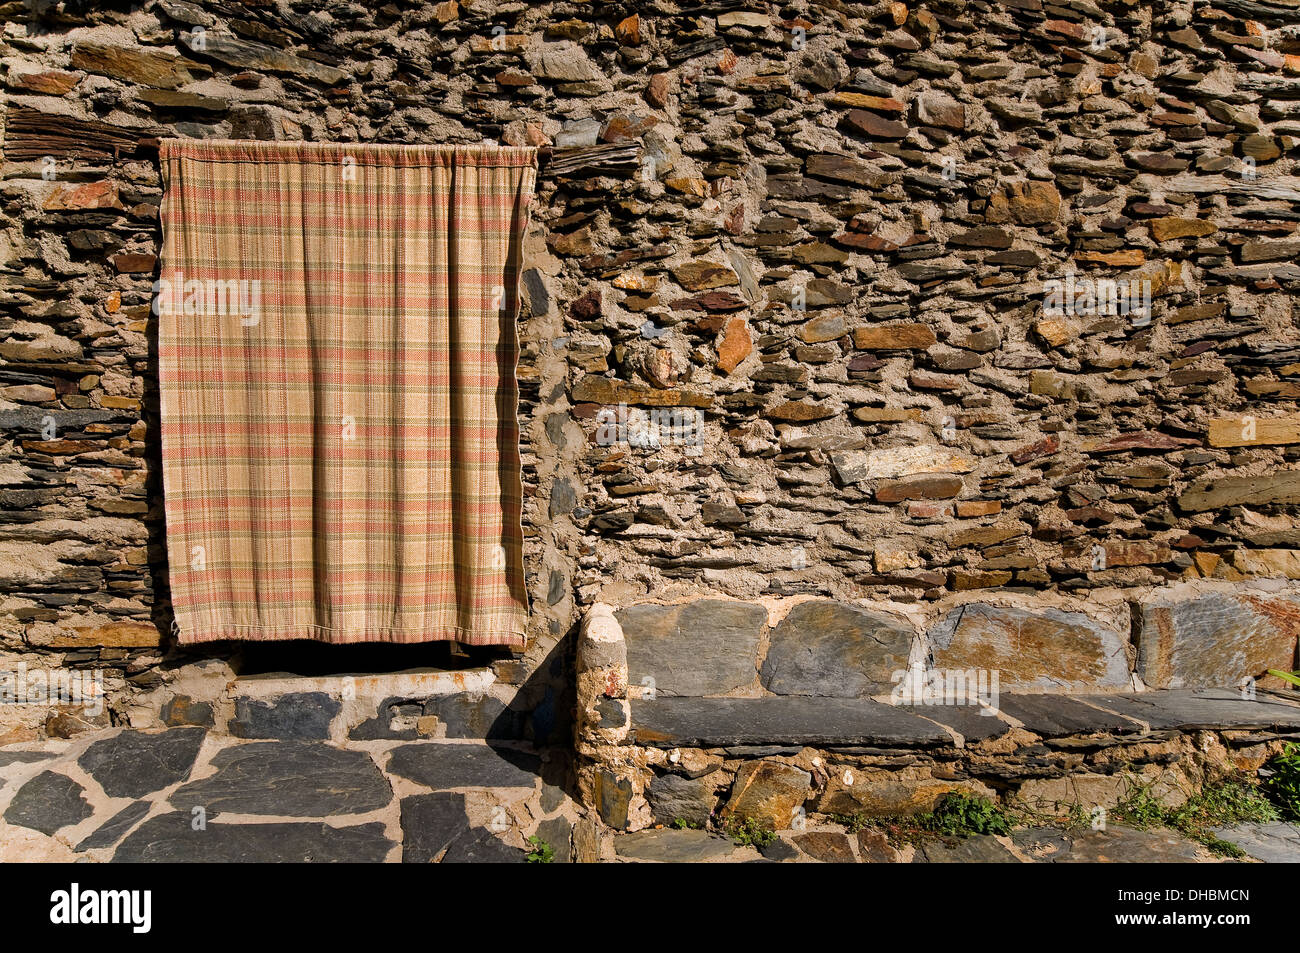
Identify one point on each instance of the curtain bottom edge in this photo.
(316, 633)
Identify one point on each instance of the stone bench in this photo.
(809, 692)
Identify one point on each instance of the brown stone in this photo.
(1252, 431)
(1027, 203)
(124, 635)
(919, 488)
(54, 82)
(825, 327)
(656, 91)
(703, 275)
(873, 126)
(768, 792)
(1168, 229)
(628, 30)
(880, 104)
(1032, 451)
(92, 195)
(893, 337)
(800, 412)
(134, 263)
(607, 391)
(736, 345)
(147, 67)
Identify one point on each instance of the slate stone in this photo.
(779, 850)
(291, 778)
(182, 710)
(979, 849)
(23, 757)
(170, 838)
(1274, 843)
(613, 796)
(1055, 716)
(445, 766)
(47, 803)
(476, 715)
(299, 716)
(1045, 650)
(969, 721)
(478, 845)
(1205, 708)
(768, 792)
(674, 847)
(791, 720)
(1123, 845)
(111, 831)
(830, 847)
(1214, 639)
(381, 727)
(835, 649)
(558, 833)
(673, 797)
(430, 822)
(704, 647)
(135, 763)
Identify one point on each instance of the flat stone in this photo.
(430, 822)
(558, 833)
(703, 647)
(836, 649)
(613, 796)
(290, 778)
(829, 847)
(111, 831)
(921, 487)
(147, 67)
(969, 721)
(894, 337)
(790, 720)
(1215, 493)
(1274, 843)
(1214, 639)
(1123, 845)
(478, 845)
(1202, 708)
(673, 797)
(1033, 651)
(768, 792)
(445, 766)
(135, 763)
(302, 716)
(24, 757)
(856, 466)
(1026, 203)
(245, 54)
(47, 803)
(979, 849)
(1055, 716)
(1250, 431)
(170, 838)
(673, 846)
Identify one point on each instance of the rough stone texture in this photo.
(768, 792)
(1215, 639)
(703, 647)
(287, 778)
(111, 831)
(829, 648)
(170, 838)
(669, 846)
(673, 797)
(300, 716)
(47, 803)
(135, 763)
(1033, 650)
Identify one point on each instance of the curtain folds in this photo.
(337, 356)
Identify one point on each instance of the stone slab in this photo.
(1055, 716)
(111, 831)
(722, 722)
(673, 846)
(1275, 843)
(47, 803)
(300, 716)
(135, 763)
(835, 649)
(170, 838)
(1207, 708)
(430, 822)
(447, 766)
(287, 778)
(705, 647)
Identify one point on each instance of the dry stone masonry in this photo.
(856, 336)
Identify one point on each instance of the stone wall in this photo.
(820, 246)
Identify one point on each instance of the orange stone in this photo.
(736, 345)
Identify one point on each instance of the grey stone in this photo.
(111, 831)
(135, 763)
(673, 797)
(23, 757)
(613, 797)
(722, 722)
(1214, 639)
(244, 54)
(539, 300)
(171, 838)
(1275, 843)
(1054, 716)
(835, 649)
(779, 850)
(478, 845)
(1205, 708)
(558, 833)
(563, 497)
(476, 715)
(382, 726)
(445, 766)
(48, 803)
(1123, 845)
(972, 722)
(704, 647)
(290, 778)
(299, 716)
(980, 849)
(671, 846)
(430, 822)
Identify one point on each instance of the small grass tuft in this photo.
(1283, 784)
(542, 852)
(749, 832)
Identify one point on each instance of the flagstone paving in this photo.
(187, 794)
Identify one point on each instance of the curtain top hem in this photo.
(361, 153)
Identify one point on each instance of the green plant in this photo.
(749, 832)
(962, 815)
(1283, 785)
(542, 852)
(1292, 677)
(682, 824)
(1224, 803)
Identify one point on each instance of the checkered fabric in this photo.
(337, 356)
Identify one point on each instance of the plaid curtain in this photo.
(337, 358)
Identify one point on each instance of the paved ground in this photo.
(187, 794)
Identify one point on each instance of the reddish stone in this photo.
(736, 345)
(1141, 440)
(135, 263)
(873, 126)
(92, 195)
(1032, 451)
(656, 91)
(925, 487)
